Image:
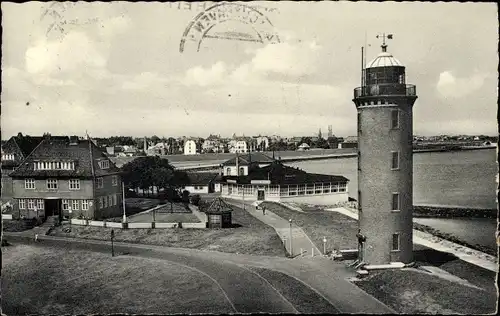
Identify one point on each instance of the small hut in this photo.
(219, 214)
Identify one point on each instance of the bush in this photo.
(185, 196)
(195, 199)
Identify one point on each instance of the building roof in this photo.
(218, 206)
(384, 59)
(21, 146)
(200, 178)
(278, 173)
(246, 159)
(351, 139)
(60, 149)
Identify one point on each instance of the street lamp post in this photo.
(112, 246)
(324, 245)
(243, 197)
(70, 211)
(291, 249)
(124, 219)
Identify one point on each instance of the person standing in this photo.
(263, 210)
(361, 240)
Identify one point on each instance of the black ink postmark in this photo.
(200, 27)
(55, 13)
(201, 6)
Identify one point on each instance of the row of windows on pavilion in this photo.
(54, 165)
(286, 190)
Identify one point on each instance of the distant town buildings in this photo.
(238, 146)
(190, 147)
(303, 146)
(349, 142)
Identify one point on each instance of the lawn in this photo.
(412, 292)
(14, 225)
(38, 280)
(339, 230)
(305, 300)
(173, 208)
(248, 236)
(164, 218)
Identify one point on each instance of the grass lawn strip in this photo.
(38, 280)
(164, 218)
(409, 291)
(474, 274)
(16, 225)
(304, 299)
(339, 230)
(252, 237)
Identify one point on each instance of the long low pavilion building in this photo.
(278, 182)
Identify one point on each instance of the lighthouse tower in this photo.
(384, 104)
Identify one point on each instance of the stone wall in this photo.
(449, 212)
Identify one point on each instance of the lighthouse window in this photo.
(395, 119)
(359, 200)
(395, 160)
(395, 201)
(359, 122)
(395, 242)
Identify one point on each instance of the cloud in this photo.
(115, 25)
(450, 86)
(146, 81)
(206, 76)
(74, 52)
(288, 59)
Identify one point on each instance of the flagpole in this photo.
(362, 70)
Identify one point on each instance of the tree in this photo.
(333, 142)
(155, 139)
(306, 140)
(322, 143)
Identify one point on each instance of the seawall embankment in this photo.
(428, 211)
(452, 238)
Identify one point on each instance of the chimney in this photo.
(73, 140)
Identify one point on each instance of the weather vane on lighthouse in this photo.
(384, 36)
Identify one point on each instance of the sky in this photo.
(117, 69)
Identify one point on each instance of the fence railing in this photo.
(385, 89)
(147, 225)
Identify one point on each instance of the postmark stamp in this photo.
(202, 26)
(59, 24)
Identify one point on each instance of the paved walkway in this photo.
(300, 241)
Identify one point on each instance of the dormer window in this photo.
(7, 156)
(104, 164)
(54, 165)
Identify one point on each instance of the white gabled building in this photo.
(190, 147)
(238, 146)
